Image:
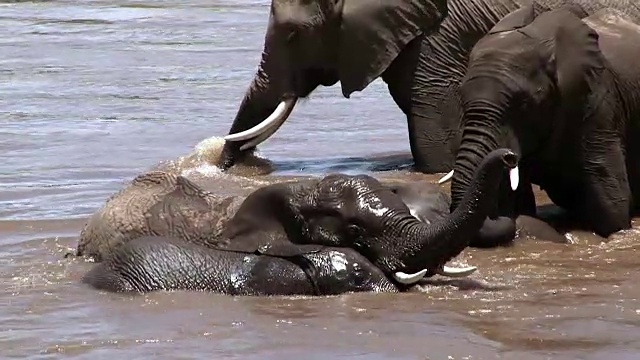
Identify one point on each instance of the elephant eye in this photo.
(293, 35)
(354, 230)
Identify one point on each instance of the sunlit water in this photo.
(93, 93)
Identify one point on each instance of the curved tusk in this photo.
(457, 272)
(279, 116)
(446, 178)
(265, 135)
(514, 178)
(408, 279)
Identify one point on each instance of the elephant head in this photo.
(526, 81)
(156, 203)
(360, 213)
(297, 218)
(312, 43)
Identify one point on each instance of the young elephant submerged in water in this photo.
(337, 234)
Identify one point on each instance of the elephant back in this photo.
(160, 204)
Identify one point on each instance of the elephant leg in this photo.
(160, 263)
(153, 263)
(432, 139)
(607, 197)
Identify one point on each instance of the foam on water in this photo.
(202, 160)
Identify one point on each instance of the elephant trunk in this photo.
(266, 105)
(445, 239)
(480, 135)
(482, 132)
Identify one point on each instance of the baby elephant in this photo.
(141, 266)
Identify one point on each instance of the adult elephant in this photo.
(563, 90)
(290, 221)
(308, 44)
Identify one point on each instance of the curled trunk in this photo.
(443, 240)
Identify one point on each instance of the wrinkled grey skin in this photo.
(422, 63)
(288, 221)
(156, 203)
(565, 94)
(429, 203)
(159, 263)
(535, 228)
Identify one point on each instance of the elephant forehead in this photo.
(372, 204)
(361, 193)
(505, 46)
(298, 13)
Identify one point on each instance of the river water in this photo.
(93, 93)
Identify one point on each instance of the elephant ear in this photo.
(578, 60)
(373, 33)
(518, 18)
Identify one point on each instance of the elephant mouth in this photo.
(447, 271)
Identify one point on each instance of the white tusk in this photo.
(446, 178)
(457, 272)
(514, 178)
(265, 135)
(279, 116)
(408, 279)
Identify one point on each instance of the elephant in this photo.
(284, 228)
(419, 48)
(561, 88)
(156, 203)
(141, 266)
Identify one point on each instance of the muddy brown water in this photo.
(93, 93)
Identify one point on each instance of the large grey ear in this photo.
(518, 18)
(373, 33)
(578, 60)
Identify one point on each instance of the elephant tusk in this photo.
(514, 178)
(264, 136)
(276, 119)
(408, 279)
(446, 178)
(457, 272)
